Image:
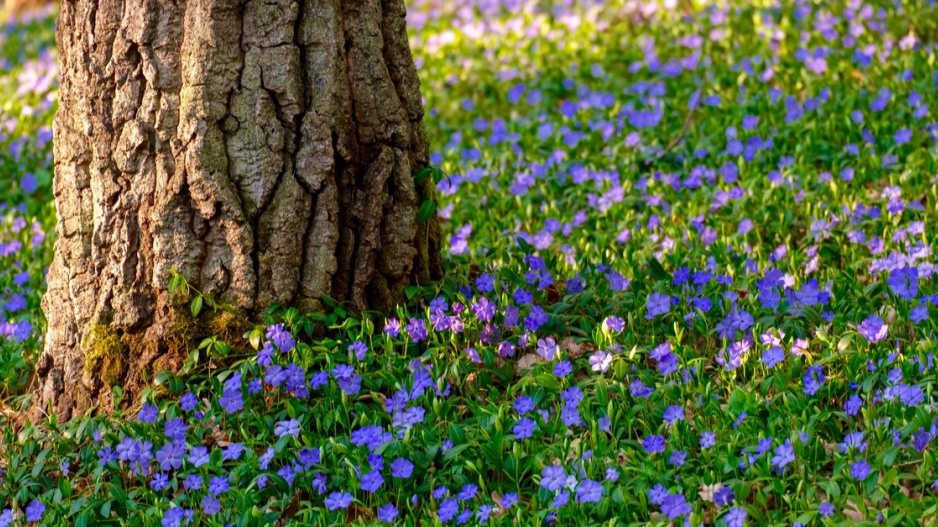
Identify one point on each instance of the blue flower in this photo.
(853, 404)
(736, 517)
(210, 505)
(673, 414)
(657, 304)
(784, 454)
(589, 491)
(287, 427)
(448, 509)
(674, 506)
(218, 485)
(338, 500)
(372, 481)
(401, 468)
(387, 513)
(35, 510)
(148, 413)
(553, 478)
(771, 357)
(724, 496)
(198, 456)
(860, 469)
(563, 368)
(509, 500)
(653, 444)
(524, 429)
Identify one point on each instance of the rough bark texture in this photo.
(266, 149)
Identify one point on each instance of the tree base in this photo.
(264, 149)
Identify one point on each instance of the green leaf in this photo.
(222, 349)
(196, 306)
(41, 462)
(427, 209)
(657, 271)
(411, 290)
(175, 282)
(526, 247)
(255, 339)
(455, 451)
(65, 488)
(421, 175)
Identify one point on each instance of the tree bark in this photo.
(265, 149)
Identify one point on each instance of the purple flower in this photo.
(198, 456)
(417, 329)
(509, 500)
(159, 482)
(678, 457)
(524, 429)
(813, 379)
(561, 499)
(784, 454)
(589, 491)
(523, 404)
(615, 324)
(393, 327)
(287, 427)
(359, 348)
(448, 509)
(736, 517)
(553, 478)
(673, 414)
(170, 456)
(372, 481)
(860, 469)
(218, 485)
(873, 328)
(193, 482)
(281, 338)
(724, 496)
(667, 361)
(653, 444)
(148, 413)
(563, 368)
(903, 136)
(468, 492)
(402, 468)
(338, 500)
(657, 304)
(387, 513)
(825, 509)
(853, 404)
(188, 401)
(674, 506)
(210, 505)
(35, 510)
(600, 361)
(772, 356)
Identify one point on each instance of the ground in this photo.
(690, 279)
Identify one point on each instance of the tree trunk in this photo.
(265, 149)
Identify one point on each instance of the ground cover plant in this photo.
(690, 280)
